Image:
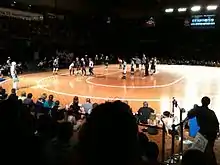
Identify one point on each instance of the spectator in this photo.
(60, 150)
(1, 77)
(194, 157)
(23, 96)
(13, 96)
(152, 153)
(49, 103)
(39, 106)
(204, 115)
(74, 110)
(3, 94)
(29, 101)
(110, 133)
(87, 106)
(144, 113)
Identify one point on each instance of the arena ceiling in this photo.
(119, 6)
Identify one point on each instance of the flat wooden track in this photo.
(188, 84)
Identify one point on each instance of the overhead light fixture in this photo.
(196, 8)
(212, 7)
(183, 9)
(170, 10)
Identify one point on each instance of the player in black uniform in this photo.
(124, 67)
(146, 67)
(153, 65)
(143, 62)
(106, 62)
(96, 59)
(77, 65)
(55, 65)
(132, 67)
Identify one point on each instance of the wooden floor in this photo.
(188, 84)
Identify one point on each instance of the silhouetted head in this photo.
(145, 104)
(13, 91)
(110, 133)
(152, 151)
(65, 131)
(205, 101)
(23, 94)
(29, 95)
(194, 157)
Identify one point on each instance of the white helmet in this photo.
(13, 63)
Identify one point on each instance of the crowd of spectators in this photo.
(44, 132)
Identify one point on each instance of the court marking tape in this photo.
(134, 87)
(94, 97)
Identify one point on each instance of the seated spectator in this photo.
(194, 157)
(3, 94)
(87, 106)
(2, 77)
(74, 110)
(39, 105)
(144, 113)
(152, 153)
(143, 142)
(29, 101)
(109, 134)
(49, 103)
(60, 150)
(23, 96)
(13, 96)
(54, 110)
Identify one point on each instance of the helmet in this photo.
(13, 63)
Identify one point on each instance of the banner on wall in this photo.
(20, 14)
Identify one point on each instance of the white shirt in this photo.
(71, 66)
(13, 70)
(91, 65)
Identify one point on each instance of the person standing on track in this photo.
(71, 69)
(91, 66)
(132, 67)
(143, 62)
(124, 67)
(120, 63)
(106, 62)
(77, 65)
(14, 75)
(146, 67)
(153, 66)
(83, 62)
(56, 65)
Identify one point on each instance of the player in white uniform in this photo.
(124, 67)
(14, 75)
(120, 63)
(71, 69)
(91, 66)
